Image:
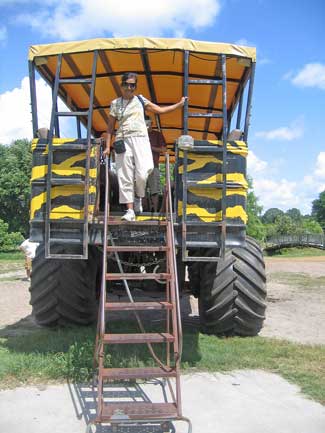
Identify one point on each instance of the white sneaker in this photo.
(138, 205)
(129, 215)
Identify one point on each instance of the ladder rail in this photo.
(224, 159)
(89, 125)
(178, 332)
(50, 157)
(99, 345)
(170, 228)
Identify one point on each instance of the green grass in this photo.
(14, 256)
(10, 262)
(56, 355)
(296, 252)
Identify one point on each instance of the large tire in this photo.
(64, 291)
(233, 292)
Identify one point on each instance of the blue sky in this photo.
(287, 137)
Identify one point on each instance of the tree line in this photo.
(15, 174)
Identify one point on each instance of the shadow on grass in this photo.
(67, 353)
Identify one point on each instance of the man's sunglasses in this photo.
(130, 85)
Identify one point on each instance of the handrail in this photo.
(170, 222)
(307, 239)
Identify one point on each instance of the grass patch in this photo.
(11, 262)
(295, 279)
(14, 255)
(56, 355)
(296, 252)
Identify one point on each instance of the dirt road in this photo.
(295, 310)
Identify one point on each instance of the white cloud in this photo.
(311, 75)
(73, 19)
(285, 194)
(15, 111)
(320, 166)
(255, 165)
(272, 193)
(15, 114)
(293, 131)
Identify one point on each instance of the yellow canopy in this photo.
(159, 64)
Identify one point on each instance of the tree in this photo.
(311, 226)
(8, 241)
(15, 170)
(255, 226)
(294, 214)
(318, 209)
(285, 225)
(271, 214)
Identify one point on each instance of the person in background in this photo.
(133, 156)
(29, 249)
(158, 146)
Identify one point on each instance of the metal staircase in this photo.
(140, 412)
(82, 240)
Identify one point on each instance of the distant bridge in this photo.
(305, 240)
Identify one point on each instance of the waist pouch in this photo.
(119, 146)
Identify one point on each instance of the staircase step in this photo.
(136, 373)
(138, 338)
(137, 248)
(118, 222)
(67, 182)
(137, 306)
(138, 410)
(138, 276)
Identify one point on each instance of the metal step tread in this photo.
(194, 183)
(209, 149)
(65, 241)
(67, 182)
(68, 146)
(137, 248)
(118, 222)
(137, 306)
(72, 113)
(208, 115)
(200, 81)
(66, 256)
(75, 80)
(138, 338)
(137, 276)
(139, 410)
(136, 373)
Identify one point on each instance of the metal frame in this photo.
(33, 98)
(249, 101)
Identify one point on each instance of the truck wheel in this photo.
(63, 291)
(232, 292)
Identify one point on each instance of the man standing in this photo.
(158, 146)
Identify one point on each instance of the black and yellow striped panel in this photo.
(204, 204)
(67, 201)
